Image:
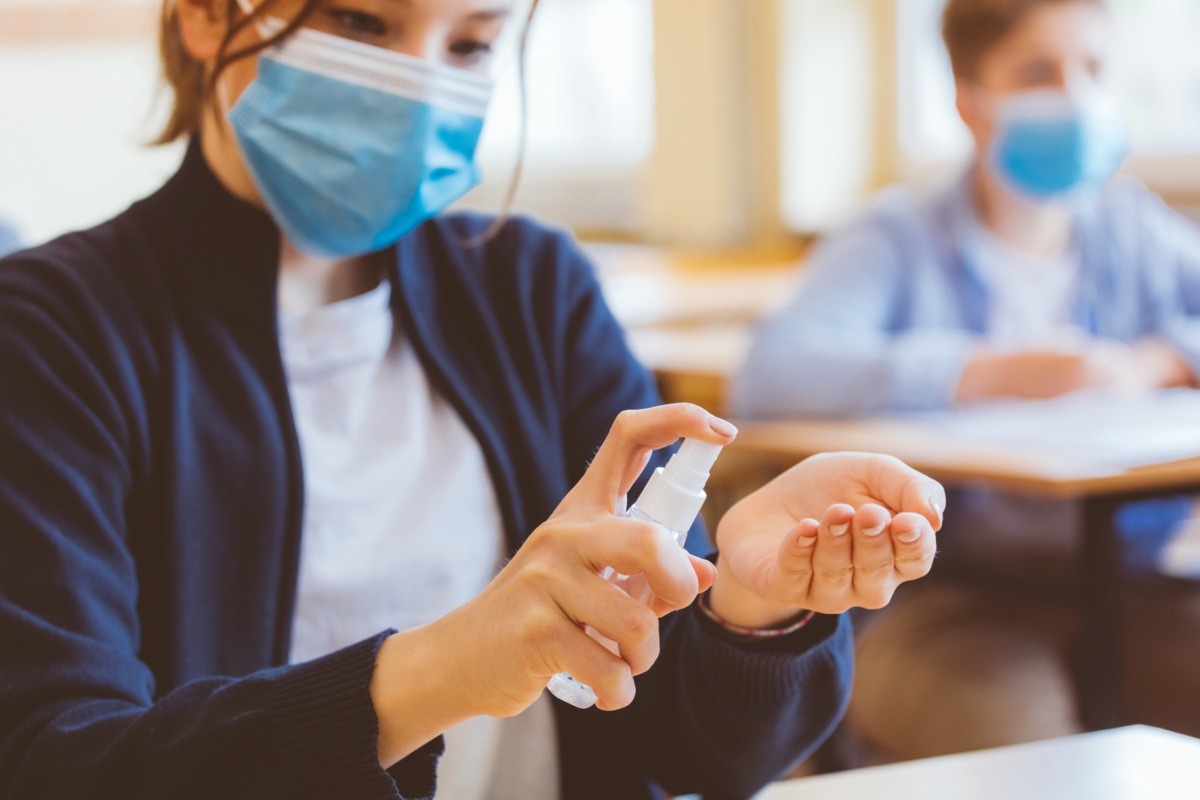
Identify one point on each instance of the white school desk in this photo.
(1135, 763)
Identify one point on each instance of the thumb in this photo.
(633, 436)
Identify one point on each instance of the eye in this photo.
(1039, 73)
(471, 51)
(357, 23)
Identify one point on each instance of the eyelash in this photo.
(361, 24)
(358, 23)
(471, 51)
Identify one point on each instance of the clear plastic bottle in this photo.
(672, 498)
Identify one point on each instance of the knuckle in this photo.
(537, 574)
(653, 542)
(622, 423)
(837, 576)
(535, 626)
(878, 569)
(694, 414)
(795, 569)
(641, 624)
(617, 679)
(915, 566)
(545, 539)
(876, 598)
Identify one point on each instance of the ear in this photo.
(202, 25)
(966, 100)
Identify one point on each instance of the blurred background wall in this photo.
(700, 124)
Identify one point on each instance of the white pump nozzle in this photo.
(674, 493)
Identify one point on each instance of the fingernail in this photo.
(875, 530)
(908, 537)
(805, 541)
(722, 427)
(938, 509)
(839, 530)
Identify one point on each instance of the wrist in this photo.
(741, 607)
(413, 698)
(742, 634)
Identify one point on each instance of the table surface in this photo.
(1016, 467)
(695, 363)
(1135, 763)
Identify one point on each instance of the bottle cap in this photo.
(675, 493)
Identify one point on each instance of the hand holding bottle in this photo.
(495, 654)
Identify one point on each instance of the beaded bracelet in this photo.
(753, 633)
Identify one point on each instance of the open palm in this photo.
(836, 531)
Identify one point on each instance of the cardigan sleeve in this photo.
(80, 713)
(713, 716)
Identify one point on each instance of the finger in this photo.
(706, 576)
(787, 579)
(795, 556)
(633, 434)
(833, 567)
(903, 489)
(635, 468)
(632, 546)
(915, 545)
(591, 663)
(624, 621)
(874, 558)
(706, 572)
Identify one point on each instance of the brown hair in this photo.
(192, 90)
(971, 28)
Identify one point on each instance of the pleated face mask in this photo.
(1052, 145)
(352, 146)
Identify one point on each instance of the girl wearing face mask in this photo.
(295, 491)
(1034, 275)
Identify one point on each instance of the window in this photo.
(591, 115)
(77, 99)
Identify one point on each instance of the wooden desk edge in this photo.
(788, 443)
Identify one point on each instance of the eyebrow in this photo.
(490, 14)
(498, 12)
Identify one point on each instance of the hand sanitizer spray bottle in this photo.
(672, 498)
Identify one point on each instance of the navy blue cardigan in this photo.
(150, 501)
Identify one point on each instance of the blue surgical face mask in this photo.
(1051, 145)
(352, 146)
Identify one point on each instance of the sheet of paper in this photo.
(1116, 431)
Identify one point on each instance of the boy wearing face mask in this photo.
(1034, 275)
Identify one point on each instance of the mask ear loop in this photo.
(514, 182)
(266, 26)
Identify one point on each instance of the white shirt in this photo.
(401, 521)
(1032, 296)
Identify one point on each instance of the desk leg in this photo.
(1101, 617)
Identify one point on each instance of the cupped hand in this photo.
(837, 531)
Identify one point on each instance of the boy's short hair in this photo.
(971, 28)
